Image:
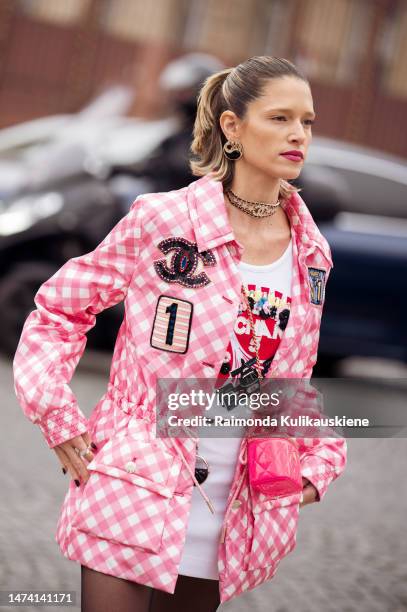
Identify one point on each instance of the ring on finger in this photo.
(84, 451)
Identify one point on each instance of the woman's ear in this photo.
(230, 124)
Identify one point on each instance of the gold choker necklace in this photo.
(254, 209)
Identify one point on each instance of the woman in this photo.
(201, 269)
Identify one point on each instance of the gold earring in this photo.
(233, 150)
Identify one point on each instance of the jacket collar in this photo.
(211, 224)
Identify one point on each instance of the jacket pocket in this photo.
(128, 494)
(272, 529)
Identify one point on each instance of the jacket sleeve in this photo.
(323, 459)
(322, 448)
(54, 334)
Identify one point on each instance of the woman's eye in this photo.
(307, 121)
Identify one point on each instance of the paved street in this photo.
(351, 549)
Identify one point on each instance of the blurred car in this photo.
(358, 197)
(366, 180)
(38, 233)
(367, 292)
(29, 150)
(70, 200)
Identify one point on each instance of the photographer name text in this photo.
(267, 421)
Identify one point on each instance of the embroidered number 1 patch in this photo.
(317, 285)
(172, 324)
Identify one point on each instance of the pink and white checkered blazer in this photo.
(173, 260)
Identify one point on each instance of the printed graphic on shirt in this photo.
(270, 310)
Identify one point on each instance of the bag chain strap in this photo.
(255, 340)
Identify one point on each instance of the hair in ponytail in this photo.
(232, 89)
(208, 136)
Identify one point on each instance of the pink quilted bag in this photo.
(274, 466)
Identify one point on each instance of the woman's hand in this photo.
(70, 459)
(309, 492)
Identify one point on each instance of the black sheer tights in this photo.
(104, 593)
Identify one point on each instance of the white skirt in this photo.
(200, 554)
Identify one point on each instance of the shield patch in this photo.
(316, 277)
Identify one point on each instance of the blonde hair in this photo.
(232, 89)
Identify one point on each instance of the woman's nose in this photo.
(299, 133)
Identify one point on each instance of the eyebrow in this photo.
(288, 110)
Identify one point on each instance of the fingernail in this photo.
(64, 470)
(93, 445)
(77, 482)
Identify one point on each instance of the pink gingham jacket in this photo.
(130, 518)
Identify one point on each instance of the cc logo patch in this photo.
(184, 259)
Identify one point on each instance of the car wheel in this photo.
(17, 291)
(326, 366)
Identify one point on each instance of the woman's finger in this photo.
(309, 495)
(80, 462)
(70, 459)
(62, 458)
(67, 464)
(86, 438)
(83, 451)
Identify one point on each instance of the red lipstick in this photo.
(294, 155)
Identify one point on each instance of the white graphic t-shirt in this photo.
(268, 288)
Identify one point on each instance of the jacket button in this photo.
(236, 504)
(130, 467)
